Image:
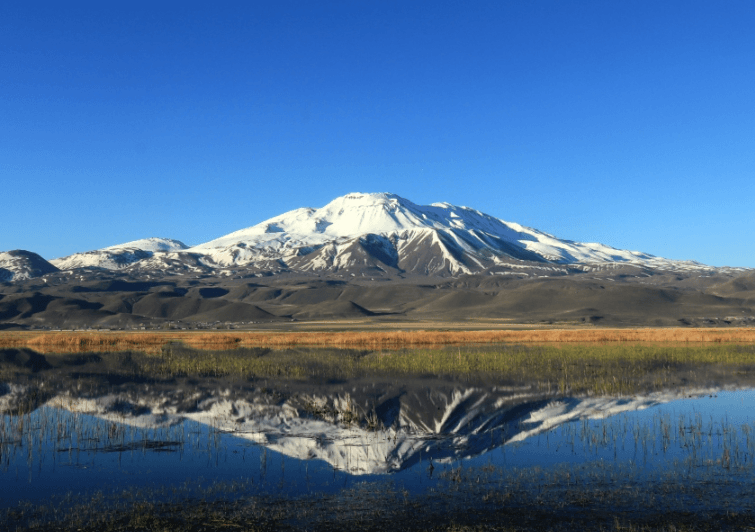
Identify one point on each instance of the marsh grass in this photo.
(600, 369)
(175, 360)
(610, 368)
(58, 342)
(568, 368)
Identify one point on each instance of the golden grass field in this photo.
(574, 361)
(48, 342)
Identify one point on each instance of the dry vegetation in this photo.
(567, 368)
(600, 369)
(606, 361)
(115, 341)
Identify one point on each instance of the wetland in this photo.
(495, 436)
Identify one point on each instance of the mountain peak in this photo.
(19, 264)
(371, 233)
(440, 238)
(360, 200)
(121, 255)
(151, 244)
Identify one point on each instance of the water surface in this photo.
(680, 449)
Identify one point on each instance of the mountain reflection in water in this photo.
(350, 431)
(297, 439)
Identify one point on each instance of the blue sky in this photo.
(628, 123)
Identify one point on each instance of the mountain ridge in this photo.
(374, 234)
(369, 258)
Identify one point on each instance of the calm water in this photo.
(419, 437)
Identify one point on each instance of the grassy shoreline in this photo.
(71, 342)
(606, 369)
(568, 368)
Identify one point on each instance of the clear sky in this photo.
(629, 123)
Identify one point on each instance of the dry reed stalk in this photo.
(115, 341)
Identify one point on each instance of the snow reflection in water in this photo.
(310, 442)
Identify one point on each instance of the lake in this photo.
(367, 451)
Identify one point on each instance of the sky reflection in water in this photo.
(113, 442)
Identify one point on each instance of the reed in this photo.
(612, 368)
(604, 369)
(600, 369)
(48, 342)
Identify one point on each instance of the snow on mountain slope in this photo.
(359, 214)
(432, 239)
(152, 244)
(18, 265)
(120, 256)
(372, 234)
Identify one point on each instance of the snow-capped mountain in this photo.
(387, 232)
(151, 244)
(120, 256)
(373, 234)
(18, 265)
